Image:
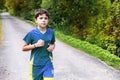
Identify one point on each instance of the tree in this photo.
(1, 4)
(96, 21)
(23, 8)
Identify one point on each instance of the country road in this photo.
(69, 63)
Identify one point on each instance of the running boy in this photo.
(41, 42)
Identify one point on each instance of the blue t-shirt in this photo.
(40, 55)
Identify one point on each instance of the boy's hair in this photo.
(40, 12)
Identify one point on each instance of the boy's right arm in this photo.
(27, 47)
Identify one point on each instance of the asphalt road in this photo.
(69, 63)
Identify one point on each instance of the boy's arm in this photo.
(27, 47)
(51, 47)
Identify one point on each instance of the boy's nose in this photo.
(44, 19)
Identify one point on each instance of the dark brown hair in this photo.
(40, 12)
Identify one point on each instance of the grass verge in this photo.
(91, 49)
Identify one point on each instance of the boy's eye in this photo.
(46, 18)
(43, 18)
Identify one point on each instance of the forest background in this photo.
(93, 21)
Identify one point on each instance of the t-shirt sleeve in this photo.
(27, 38)
(53, 38)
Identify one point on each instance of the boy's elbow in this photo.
(23, 49)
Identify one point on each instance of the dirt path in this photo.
(69, 63)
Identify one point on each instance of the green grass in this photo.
(91, 49)
(0, 31)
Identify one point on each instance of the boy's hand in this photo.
(40, 43)
(51, 47)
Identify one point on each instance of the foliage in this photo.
(1, 4)
(46, 4)
(97, 22)
(24, 8)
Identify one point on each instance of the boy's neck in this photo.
(42, 30)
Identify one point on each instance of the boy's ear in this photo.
(35, 20)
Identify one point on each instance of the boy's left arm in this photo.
(51, 47)
(51, 44)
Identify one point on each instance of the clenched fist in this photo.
(51, 47)
(40, 43)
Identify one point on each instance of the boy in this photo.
(41, 42)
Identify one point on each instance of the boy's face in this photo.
(42, 20)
